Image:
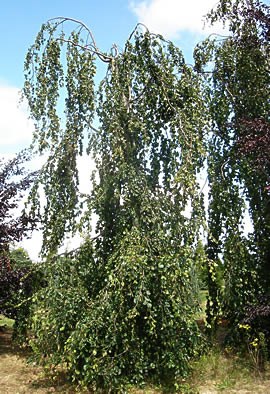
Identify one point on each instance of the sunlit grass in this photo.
(6, 322)
(223, 371)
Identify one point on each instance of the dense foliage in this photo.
(122, 308)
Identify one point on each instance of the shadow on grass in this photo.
(57, 383)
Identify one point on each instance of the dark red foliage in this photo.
(254, 142)
(258, 318)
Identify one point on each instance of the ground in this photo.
(214, 373)
(17, 376)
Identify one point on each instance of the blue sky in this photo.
(111, 21)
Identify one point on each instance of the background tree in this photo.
(238, 89)
(16, 279)
(19, 258)
(14, 182)
(17, 286)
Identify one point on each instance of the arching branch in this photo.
(91, 47)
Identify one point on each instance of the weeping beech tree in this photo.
(121, 309)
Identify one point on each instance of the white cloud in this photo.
(171, 17)
(15, 127)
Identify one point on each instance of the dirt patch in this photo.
(19, 377)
